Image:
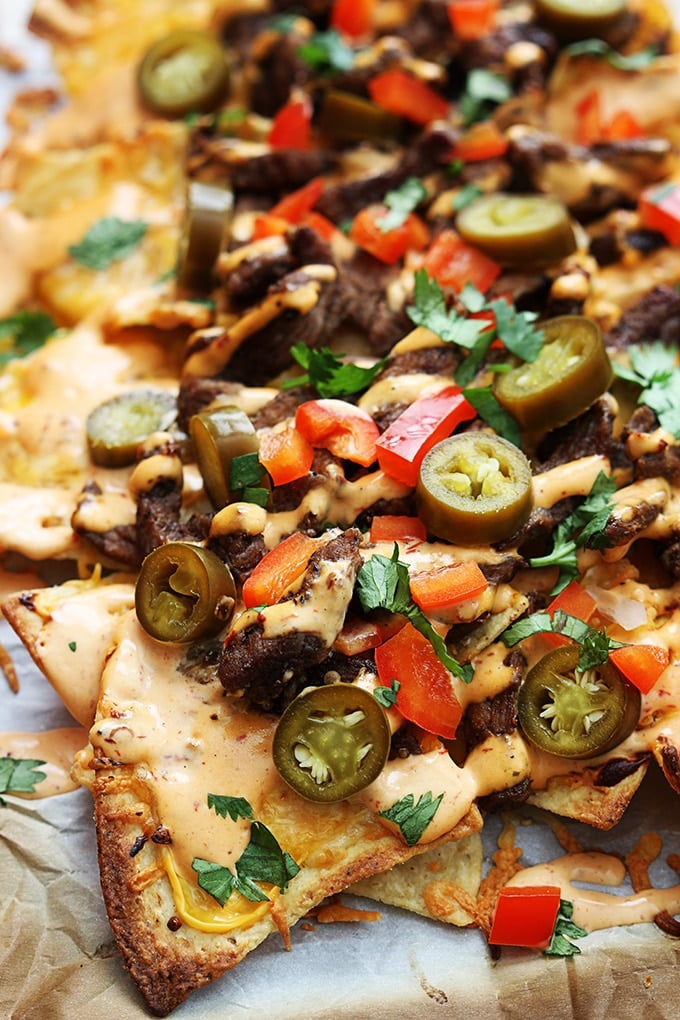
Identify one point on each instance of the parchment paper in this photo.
(58, 959)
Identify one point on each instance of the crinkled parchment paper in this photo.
(58, 959)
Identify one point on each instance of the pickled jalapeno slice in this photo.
(331, 742)
(571, 371)
(518, 230)
(206, 217)
(220, 435)
(474, 489)
(116, 427)
(576, 713)
(184, 592)
(183, 72)
(579, 19)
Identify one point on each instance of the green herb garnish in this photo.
(431, 312)
(622, 61)
(245, 471)
(20, 775)
(329, 374)
(109, 240)
(483, 91)
(23, 333)
(326, 52)
(564, 931)
(595, 645)
(387, 696)
(401, 202)
(413, 817)
(383, 583)
(654, 367)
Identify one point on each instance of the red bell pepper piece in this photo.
(277, 571)
(426, 695)
(472, 19)
(641, 664)
(447, 586)
(525, 915)
(452, 262)
(407, 96)
(404, 443)
(659, 209)
(575, 601)
(292, 125)
(387, 245)
(396, 528)
(483, 140)
(286, 454)
(295, 206)
(340, 427)
(353, 18)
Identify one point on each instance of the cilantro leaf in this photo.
(25, 332)
(565, 930)
(654, 367)
(622, 61)
(326, 52)
(516, 330)
(467, 194)
(488, 408)
(431, 312)
(245, 471)
(234, 807)
(330, 376)
(400, 202)
(595, 644)
(214, 879)
(387, 696)
(383, 583)
(109, 240)
(483, 90)
(20, 775)
(263, 860)
(413, 817)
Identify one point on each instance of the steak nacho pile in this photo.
(341, 442)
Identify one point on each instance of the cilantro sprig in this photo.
(483, 91)
(263, 860)
(654, 367)
(383, 583)
(20, 775)
(430, 310)
(326, 52)
(594, 645)
(411, 816)
(564, 931)
(329, 374)
(400, 202)
(581, 529)
(622, 61)
(23, 333)
(108, 240)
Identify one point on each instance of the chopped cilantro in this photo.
(387, 696)
(430, 311)
(595, 644)
(654, 367)
(622, 61)
(326, 52)
(383, 583)
(582, 528)
(330, 376)
(20, 775)
(245, 471)
(564, 931)
(466, 195)
(413, 817)
(483, 90)
(263, 860)
(400, 202)
(24, 332)
(72, 646)
(490, 411)
(109, 240)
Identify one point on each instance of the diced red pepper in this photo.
(407, 96)
(525, 915)
(324, 227)
(396, 528)
(340, 427)
(353, 18)
(426, 695)
(292, 125)
(483, 140)
(659, 209)
(447, 586)
(286, 454)
(472, 19)
(623, 125)
(387, 245)
(404, 443)
(296, 205)
(592, 127)
(641, 664)
(575, 601)
(452, 262)
(278, 570)
(266, 225)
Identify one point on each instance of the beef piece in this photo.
(158, 518)
(528, 153)
(364, 281)
(197, 392)
(429, 152)
(664, 464)
(430, 360)
(118, 544)
(337, 668)
(670, 763)
(288, 496)
(282, 406)
(504, 800)
(591, 432)
(531, 537)
(308, 247)
(498, 715)
(429, 30)
(250, 280)
(266, 352)
(620, 532)
(403, 507)
(605, 249)
(490, 49)
(405, 742)
(670, 559)
(616, 769)
(643, 419)
(645, 240)
(262, 667)
(240, 551)
(655, 316)
(280, 69)
(503, 569)
(279, 171)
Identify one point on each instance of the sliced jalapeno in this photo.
(350, 118)
(117, 427)
(331, 742)
(183, 72)
(474, 488)
(518, 230)
(184, 592)
(571, 371)
(574, 713)
(579, 19)
(206, 218)
(220, 435)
